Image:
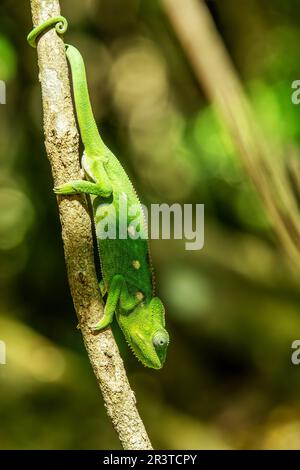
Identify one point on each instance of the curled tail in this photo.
(90, 136)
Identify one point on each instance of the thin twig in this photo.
(61, 138)
(264, 163)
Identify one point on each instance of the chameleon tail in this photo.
(88, 128)
(60, 23)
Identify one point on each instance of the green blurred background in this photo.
(232, 308)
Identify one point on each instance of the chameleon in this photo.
(127, 276)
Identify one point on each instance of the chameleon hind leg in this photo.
(100, 186)
(82, 186)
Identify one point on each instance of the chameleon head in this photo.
(144, 330)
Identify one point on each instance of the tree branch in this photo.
(263, 162)
(61, 139)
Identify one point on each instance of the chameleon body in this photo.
(126, 270)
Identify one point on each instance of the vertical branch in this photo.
(61, 139)
(213, 68)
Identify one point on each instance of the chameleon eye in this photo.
(160, 339)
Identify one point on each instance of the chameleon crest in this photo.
(126, 272)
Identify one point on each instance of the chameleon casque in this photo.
(125, 264)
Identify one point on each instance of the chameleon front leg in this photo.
(127, 301)
(102, 287)
(113, 297)
(117, 292)
(82, 186)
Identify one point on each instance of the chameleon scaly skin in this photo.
(125, 266)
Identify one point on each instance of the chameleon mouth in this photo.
(153, 361)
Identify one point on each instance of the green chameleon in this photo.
(125, 264)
